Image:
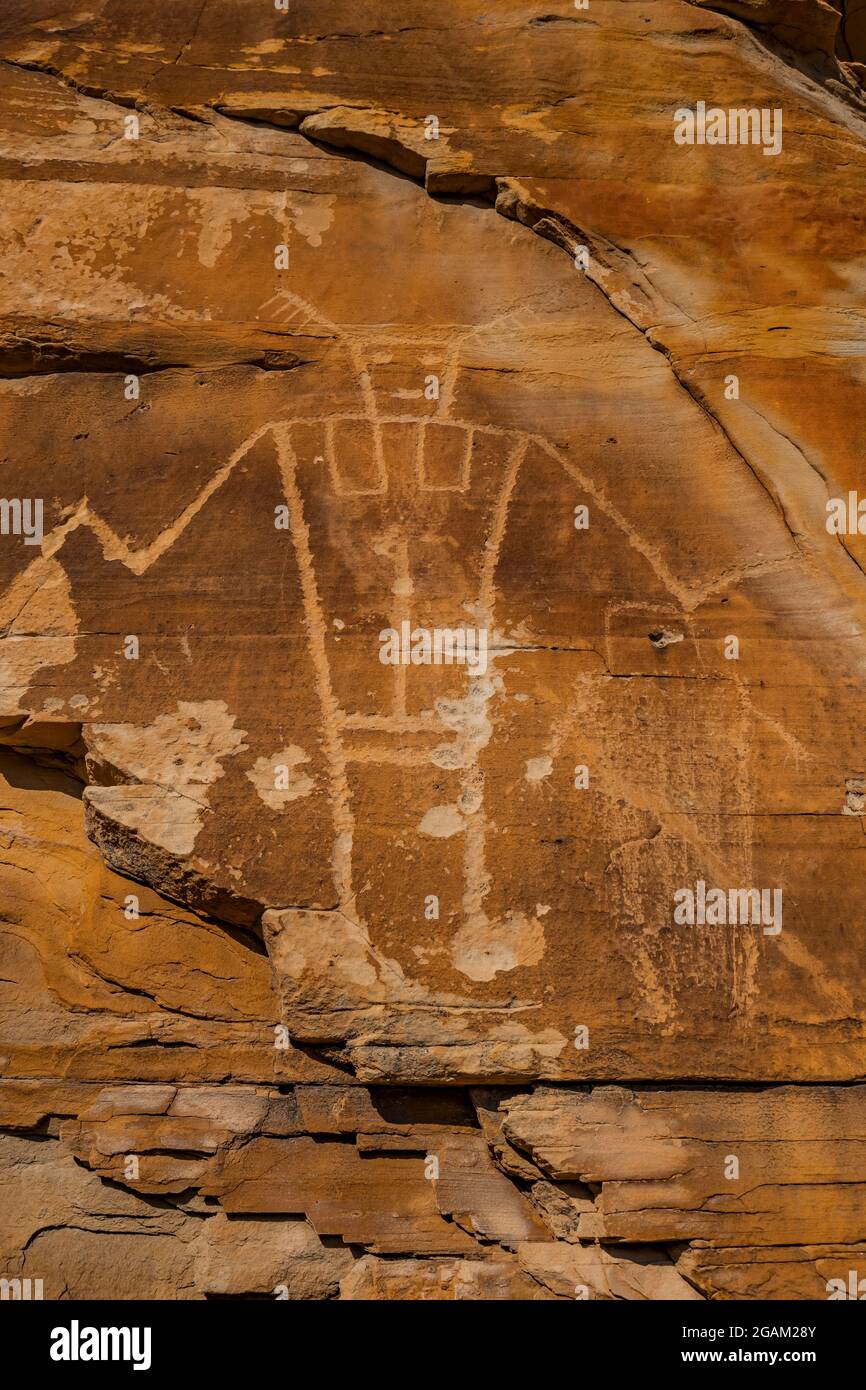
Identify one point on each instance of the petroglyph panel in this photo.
(426, 664)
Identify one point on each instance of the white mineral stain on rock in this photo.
(471, 799)
(86, 247)
(665, 638)
(535, 122)
(312, 214)
(278, 779)
(442, 822)
(219, 210)
(469, 720)
(176, 760)
(483, 949)
(159, 816)
(538, 768)
(448, 756)
(332, 955)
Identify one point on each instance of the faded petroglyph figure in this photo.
(422, 597)
(412, 497)
(384, 660)
(385, 489)
(392, 518)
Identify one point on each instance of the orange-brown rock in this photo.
(416, 589)
(721, 1167)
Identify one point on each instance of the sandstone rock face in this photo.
(432, 649)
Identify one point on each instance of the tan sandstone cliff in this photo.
(360, 319)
